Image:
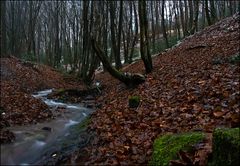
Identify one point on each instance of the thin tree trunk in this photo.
(163, 25)
(182, 19)
(118, 55)
(153, 27)
(195, 21)
(113, 37)
(3, 29)
(190, 3)
(213, 11)
(144, 45)
(136, 32)
(207, 13)
(177, 20)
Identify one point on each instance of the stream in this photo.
(46, 142)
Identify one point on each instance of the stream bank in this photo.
(50, 141)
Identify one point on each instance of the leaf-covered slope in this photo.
(194, 86)
(19, 79)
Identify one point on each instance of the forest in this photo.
(120, 82)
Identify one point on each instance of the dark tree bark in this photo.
(190, 4)
(207, 13)
(57, 54)
(157, 25)
(177, 24)
(195, 21)
(186, 17)
(113, 37)
(136, 32)
(182, 19)
(163, 25)
(153, 26)
(203, 23)
(118, 56)
(213, 11)
(3, 29)
(144, 45)
(128, 79)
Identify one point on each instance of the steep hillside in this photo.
(194, 87)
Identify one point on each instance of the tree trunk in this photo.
(213, 11)
(113, 37)
(163, 25)
(153, 27)
(144, 45)
(182, 19)
(186, 17)
(195, 21)
(3, 29)
(128, 79)
(190, 3)
(118, 56)
(177, 24)
(207, 13)
(136, 33)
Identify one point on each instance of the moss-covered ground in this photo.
(166, 147)
(226, 147)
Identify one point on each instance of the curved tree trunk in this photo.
(128, 79)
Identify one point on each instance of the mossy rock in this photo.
(133, 101)
(226, 147)
(166, 147)
(60, 91)
(235, 59)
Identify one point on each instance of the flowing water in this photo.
(34, 142)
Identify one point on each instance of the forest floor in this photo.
(194, 87)
(19, 80)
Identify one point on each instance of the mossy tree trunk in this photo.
(126, 78)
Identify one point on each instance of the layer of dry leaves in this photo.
(19, 80)
(187, 91)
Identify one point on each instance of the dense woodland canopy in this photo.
(59, 33)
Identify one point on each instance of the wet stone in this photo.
(89, 97)
(47, 129)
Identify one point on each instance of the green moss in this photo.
(166, 147)
(75, 133)
(60, 91)
(133, 101)
(226, 147)
(160, 44)
(83, 124)
(235, 59)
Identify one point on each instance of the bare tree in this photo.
(163, 25)
(144, 45)
(136, 31)
(3, 29)
(195, 21)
